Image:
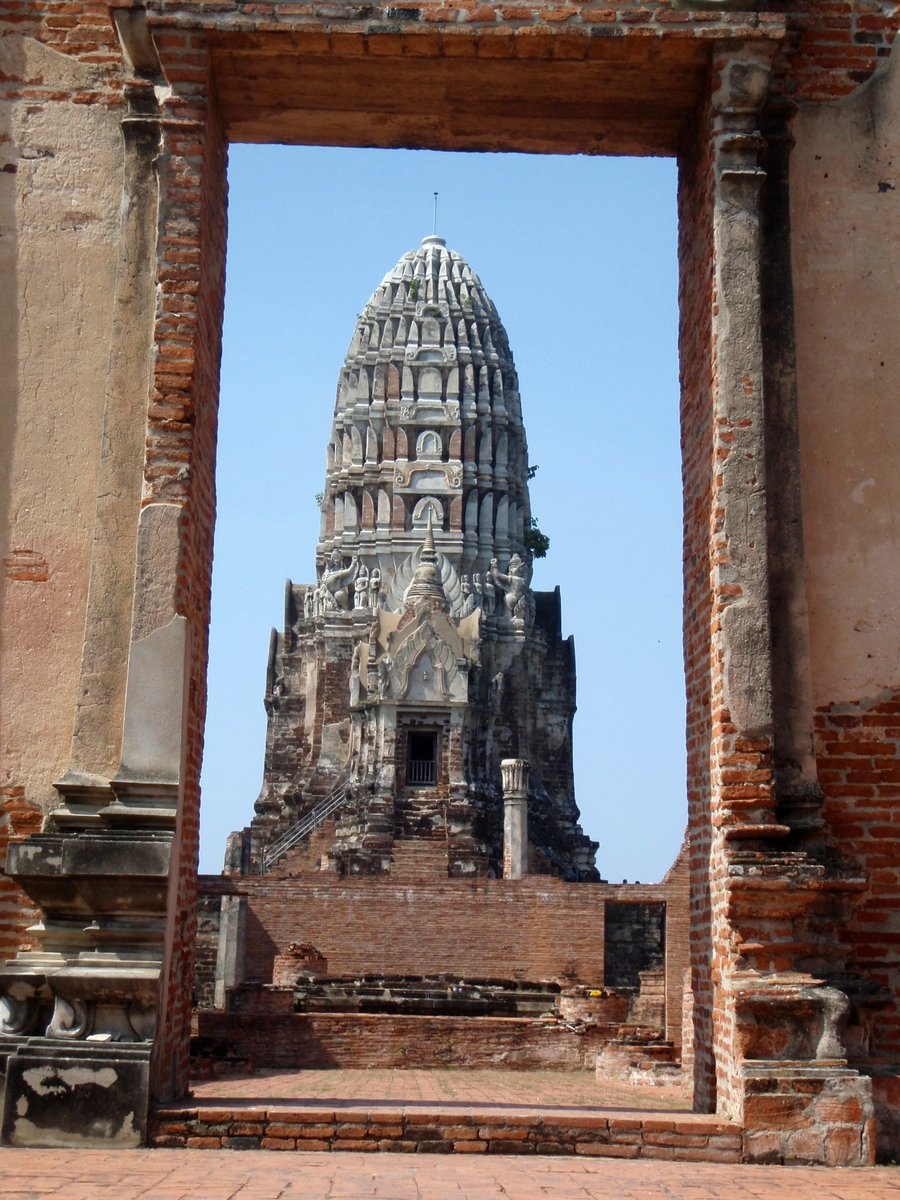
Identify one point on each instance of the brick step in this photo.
(417, 859)
(430, 1128)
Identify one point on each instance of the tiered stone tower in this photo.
(421, 658)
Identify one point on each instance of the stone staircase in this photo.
(419, 860)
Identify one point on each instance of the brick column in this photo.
(97, 1017)
(776, 1030)
(80, 1009)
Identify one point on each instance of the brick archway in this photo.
(692, 97)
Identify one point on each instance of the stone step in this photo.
(432, 1128)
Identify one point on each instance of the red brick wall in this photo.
(529, 929)
(677, 887)
(695, 249)
(858, 751)
(80, 29)
(18, 818)
(489, 929)
(305, 1041)
(179, 464)
(834, 45)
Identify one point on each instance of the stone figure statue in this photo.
(374, 587)
(486, 591)
(322, 599)
(354, 676)
(361, 588)
(336, 579)
(384, 676)
(470, 600)
(514, 586)
(478, 590)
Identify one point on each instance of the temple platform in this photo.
(448, 1112)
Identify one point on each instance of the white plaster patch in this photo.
(106, 1077)
(44, 1083)
(39, 1081)
(858, 495)
(26, 1133)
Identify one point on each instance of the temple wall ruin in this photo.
(360, 1041)
(60, 195)
(846, 221)
(112, 201)
(531, 930)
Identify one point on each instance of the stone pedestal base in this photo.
(76, 1094)
(812, 1114)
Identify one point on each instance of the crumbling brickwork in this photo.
(17, 820)
(358, 1041)
(535, 929)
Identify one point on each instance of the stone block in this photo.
(76, 1095)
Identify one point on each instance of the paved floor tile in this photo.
(512, 1089)
(257, 1175)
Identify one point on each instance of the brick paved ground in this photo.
(511, 1089)
(261, 1175)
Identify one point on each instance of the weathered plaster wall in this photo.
(61, 195)
(845, 213)
(845, 197)
(60, 189)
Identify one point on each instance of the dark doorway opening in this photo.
(421, 761)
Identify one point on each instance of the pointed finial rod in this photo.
(434, 227)
(428, 553)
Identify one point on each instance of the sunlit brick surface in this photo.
(256, 1175)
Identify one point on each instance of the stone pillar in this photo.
(230, 956)
(515, 817)
(96, 1018)
(781, 1061)
(78, 1012)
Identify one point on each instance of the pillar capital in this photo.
(515, 772)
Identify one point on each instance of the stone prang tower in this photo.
(421, 659)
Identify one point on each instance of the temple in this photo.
(766, 961)
(421, 660)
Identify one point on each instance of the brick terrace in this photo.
(448, 1112)
(220, 1175)
(502, 1088)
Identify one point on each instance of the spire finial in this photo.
(434, 226)
(428, 552)
(426, 582)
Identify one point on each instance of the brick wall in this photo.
(446, 1130)
(18, 818)
(356, 1041)
(695, 298)
(858, 751)
(179, 465)
(538, 928)
(677, 887)
(517, 929)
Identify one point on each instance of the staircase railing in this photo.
(570, 873)
(304, 826)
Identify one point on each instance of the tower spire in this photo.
(426, 582)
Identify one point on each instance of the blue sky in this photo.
(579, 256)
